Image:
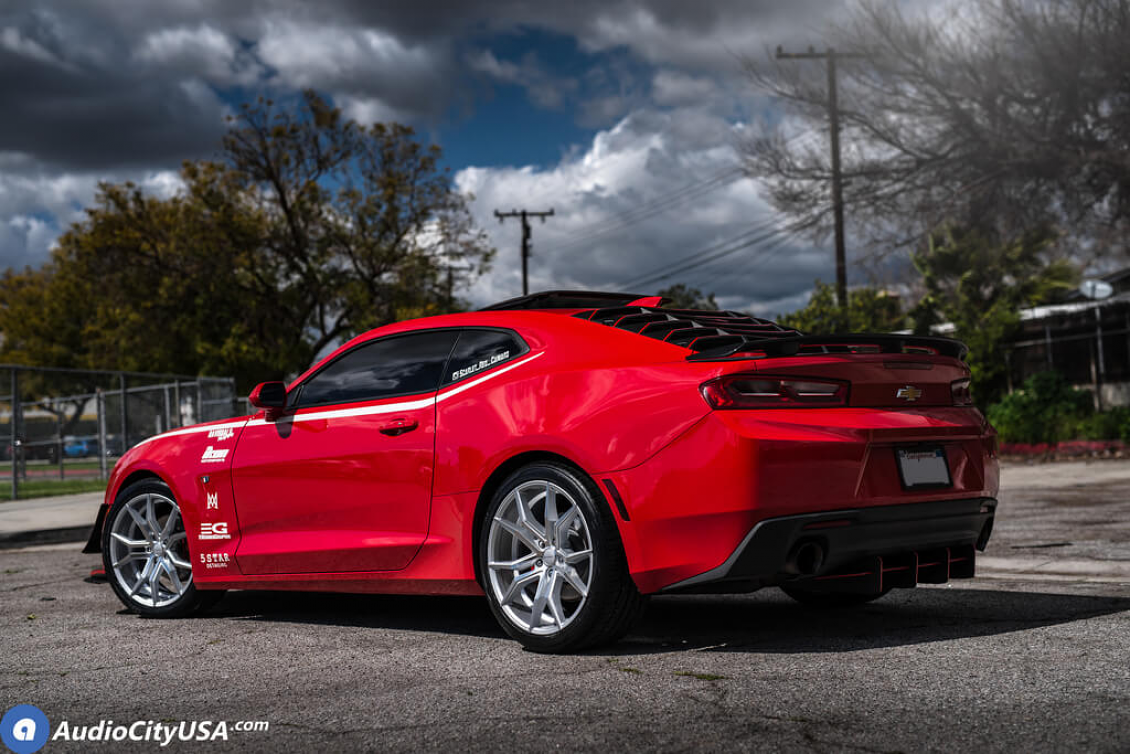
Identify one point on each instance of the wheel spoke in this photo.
(555, 606)
(572, 558)
(177, 560)
(170, 569)
(174, 538)
(517, 585)
(570, 574)
(170, 522)
(137, 519)
(550, 513)
(541, 596)
(129, 558)
(525, 518)
(563, 524)
(141, 577)
(128, 542)
(521, 564)
(149, 515)
(155, 582)
(521, 534)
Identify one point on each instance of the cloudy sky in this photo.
(621, 116)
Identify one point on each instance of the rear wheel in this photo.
(816, 598)
(552, 564)
(145, 553)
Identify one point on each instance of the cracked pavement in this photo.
(992, 664)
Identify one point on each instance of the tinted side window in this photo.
(392, 366)
(479, 350)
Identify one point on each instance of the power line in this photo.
(831, 56)
(650, 209)
(762, 256)
(525, 215)
(712, 253)
(702, 255)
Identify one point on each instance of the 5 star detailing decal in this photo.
(214, 560)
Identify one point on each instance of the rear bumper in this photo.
(689, 507)
(866, 549)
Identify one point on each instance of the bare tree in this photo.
(999, 115)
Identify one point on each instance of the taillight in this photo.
(962, 396)
(758, 391)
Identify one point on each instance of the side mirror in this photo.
(269, 395)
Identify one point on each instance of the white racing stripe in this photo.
(338, 413)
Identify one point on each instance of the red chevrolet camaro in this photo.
(569, 454)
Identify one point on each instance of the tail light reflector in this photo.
(763, 391)
(962, 396)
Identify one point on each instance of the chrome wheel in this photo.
(149, 550)
(539, 557)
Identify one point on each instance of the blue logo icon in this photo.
(24, 729)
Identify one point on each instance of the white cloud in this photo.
(202, 50)
(643, 162)
(36, 207)
(677, 88)
(12, 40)
(25, 241)
(543, 89)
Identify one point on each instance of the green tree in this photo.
(979, 285)
(685, 297)
(307, 229)
(1045, 410)
(868, 310)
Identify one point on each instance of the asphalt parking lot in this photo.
(1030, 656)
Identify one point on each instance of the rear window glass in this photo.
(479, 350)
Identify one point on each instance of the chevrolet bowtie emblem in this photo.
(909, 393)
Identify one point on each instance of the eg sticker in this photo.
(217, 530)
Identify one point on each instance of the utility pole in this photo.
(525, 215)
(831, 56)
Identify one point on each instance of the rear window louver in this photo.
(722, 335)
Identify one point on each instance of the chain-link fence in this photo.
(63, 429)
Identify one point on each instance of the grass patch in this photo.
(50, 487)
(701, 676)
(629, 670)
(73, 464)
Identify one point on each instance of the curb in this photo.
(19, 539)
(1093, 571)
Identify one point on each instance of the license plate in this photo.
(923, 467)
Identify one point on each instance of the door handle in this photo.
(399, 426)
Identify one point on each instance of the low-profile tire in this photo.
(561, 587)
(815, 598)
(145, 553)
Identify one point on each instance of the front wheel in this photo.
(552, 564)
(145, 553)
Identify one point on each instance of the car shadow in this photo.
(765, 622)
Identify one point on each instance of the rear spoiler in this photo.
(729, 335)
(744, 347)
